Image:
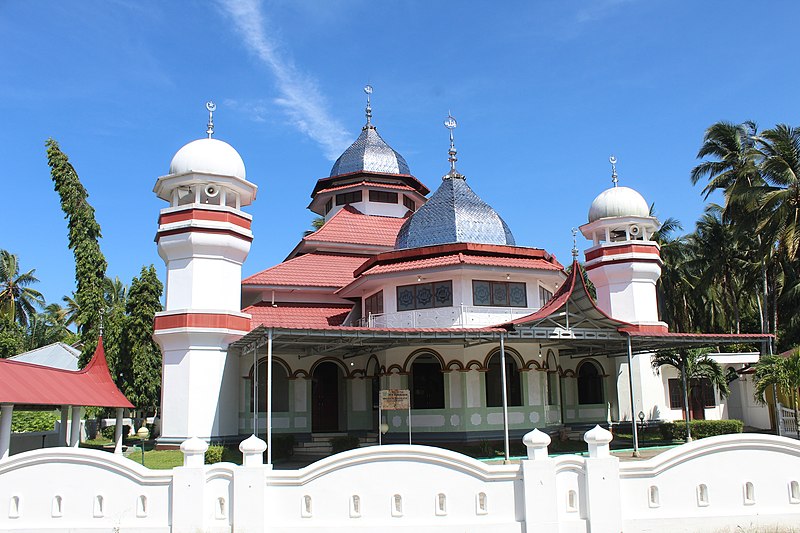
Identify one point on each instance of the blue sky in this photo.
(543, 92)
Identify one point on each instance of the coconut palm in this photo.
(783, 374)
(17, 300)
(71, 310)
(693, 365)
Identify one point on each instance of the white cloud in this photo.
(300, 98)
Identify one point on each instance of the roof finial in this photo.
(575, 244)
(102, 312)
(368, 110)
(451, 124)
(211, 106)
(613, 161)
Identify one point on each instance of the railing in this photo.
(787, 426)
(464, 316)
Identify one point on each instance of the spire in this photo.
(574, 244)
(451, 124)
(211, 106)
(368, 109)
(613, 161)
(102, 312)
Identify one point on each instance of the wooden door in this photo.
(325, 398)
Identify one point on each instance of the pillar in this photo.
(118, 432)
(539, 482)
(62, 430)
(75, 427)
(6, 413)
(603, 498)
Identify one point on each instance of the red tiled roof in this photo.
(310, 316)
(310, 270)
(26, 383)
(351, 226)
(323, 184)
(465, 259)
(371, 183)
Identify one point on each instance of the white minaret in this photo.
(203, 237)
(624, 263)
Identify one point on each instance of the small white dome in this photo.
(618, 202)
(210, 156)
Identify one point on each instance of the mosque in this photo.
(423, 298)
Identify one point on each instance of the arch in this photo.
(300, 374)
(455, 365)
(337, 362)
(395, 369)
(590, 382)
(533, 365)
(550, 360)
(475, 365)
(423, 351)
(327, 395)
(493, 380)
(281, 374)
(426, 380)
(373, 359)
(509, 352)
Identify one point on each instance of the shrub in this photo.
(214, 454)
(25, 421)
(700, 428)
(282, 445)
(344, 443)
(108, 431)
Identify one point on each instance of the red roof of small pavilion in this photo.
(293, 315)
(26, 383)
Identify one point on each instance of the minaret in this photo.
(203, 237)
(624, 262)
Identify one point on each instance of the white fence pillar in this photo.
(539, 482)
(188, 488)
(603, 498)
(6, 413)
(118, 432)
(249, 488)
(75, 427)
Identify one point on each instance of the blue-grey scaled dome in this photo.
(454, 214)
(370, 153)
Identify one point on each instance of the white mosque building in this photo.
(404, 290)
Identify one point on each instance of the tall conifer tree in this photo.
(140, 356)
(84, 235)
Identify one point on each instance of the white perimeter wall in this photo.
(712, 484)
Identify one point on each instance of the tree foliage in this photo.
(140, 356)
(18, 301)
(84, 236)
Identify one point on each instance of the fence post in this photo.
(539, 485)
(188, 487)
(779, 419)
(249, 488)
(603, 498)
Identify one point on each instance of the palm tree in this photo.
(783, 374)
(17, 299)
(71, 310)
(693, 365)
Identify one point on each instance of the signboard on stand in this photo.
(395, 400)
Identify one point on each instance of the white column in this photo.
(118, 432)
(62, 430)
(6, 412)
(75, 427)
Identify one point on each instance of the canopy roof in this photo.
(26, 383)
(570, 322)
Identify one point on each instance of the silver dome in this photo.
(370, 153)
(454, 213)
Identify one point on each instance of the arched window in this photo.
(280, 388)
(427, 383)
(590, 384)
(494, 382)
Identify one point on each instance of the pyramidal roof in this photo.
(370, 153)
(454, 213)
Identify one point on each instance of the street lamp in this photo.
(143, 434)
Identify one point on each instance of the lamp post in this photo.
(641, 420)
(143, 434)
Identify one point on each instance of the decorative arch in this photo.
(590, 382)
(380, 368)
(475, 365)
(275, 360)
(509, 352)
(300, 374)
(395, 369)
(455, 364)
(493, 379)
(280, 385)
(423, 351)
(337, 362)
(425, 369)
(533, 365)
